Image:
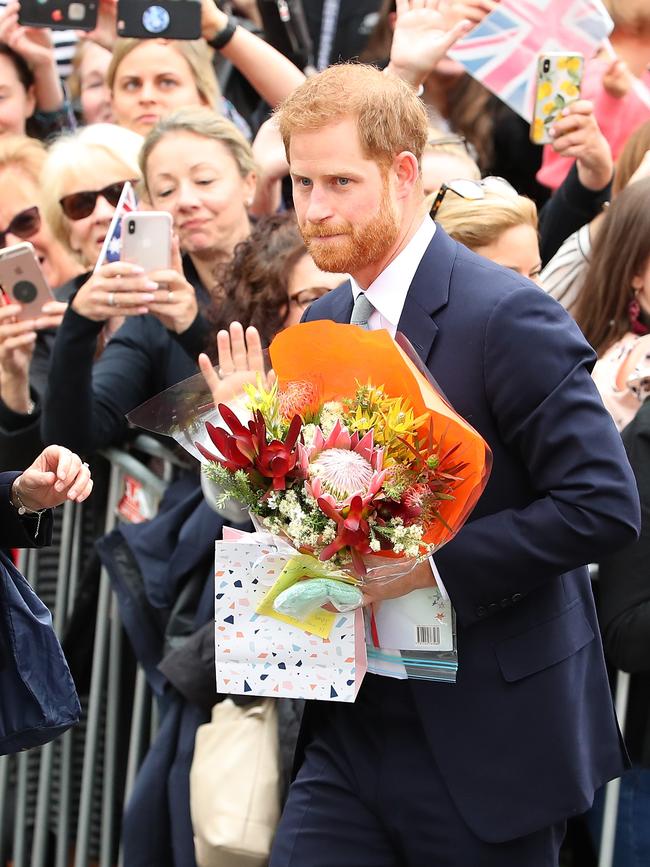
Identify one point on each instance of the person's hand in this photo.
(576, 134)
(105, 33)
(33, 44)
(116, 289)
(454, 11)
(175, 302)
(56, 475)
(419, 577)
(617, 79)
(421, 39)
(213, 19)
(642, 170)
(271, 160)
(241, 361)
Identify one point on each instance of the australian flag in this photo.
(112, 246)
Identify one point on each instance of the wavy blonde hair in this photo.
(479, 222)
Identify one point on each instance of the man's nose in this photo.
(318, 207)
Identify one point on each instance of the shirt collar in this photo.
(388, 291)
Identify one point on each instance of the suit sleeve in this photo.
(551, 419)
(17, 531)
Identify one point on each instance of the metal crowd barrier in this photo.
(31, 773)
(37, 780)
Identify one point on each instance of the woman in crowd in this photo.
(88, 85)
(25, 344)
(148, 78)
(198, 167)
(613, 307)
(32, 96)
(491, 219)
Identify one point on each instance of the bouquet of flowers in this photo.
(351, 456)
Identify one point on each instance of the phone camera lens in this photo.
(156, 19)
(25, 292)
(131, 227)
(547, 65)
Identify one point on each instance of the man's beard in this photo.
(357, 246)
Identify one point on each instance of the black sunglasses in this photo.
(78, 206)
(469, 189)
(24, 225)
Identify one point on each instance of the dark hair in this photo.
(621, 252)
(254, 285)
(23, 71)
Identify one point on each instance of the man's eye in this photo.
(304, 182)
(343, 182)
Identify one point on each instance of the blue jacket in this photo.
(528, 732)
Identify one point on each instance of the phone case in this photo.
(171, 19)
(147, 239)
(59, 14)
(559, 77)
(23, 281)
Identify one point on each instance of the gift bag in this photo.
(260, 655)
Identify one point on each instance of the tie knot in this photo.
(361, 312)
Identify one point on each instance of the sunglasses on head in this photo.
(24, 225)
(474, 190)
(77, 206)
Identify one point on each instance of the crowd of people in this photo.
(216, 132)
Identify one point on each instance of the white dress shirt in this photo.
(388, 291)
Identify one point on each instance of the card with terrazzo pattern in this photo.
(258, 655)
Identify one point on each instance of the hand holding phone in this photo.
(22, 280)
(152, 19)
(557, 84)
(59, 14)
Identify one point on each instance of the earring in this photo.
(634, 312)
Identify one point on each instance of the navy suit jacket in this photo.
(528, 731)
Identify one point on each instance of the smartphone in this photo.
(171, 19)
(59, 14)
(147, 239)
(22, 280)
(557, 84)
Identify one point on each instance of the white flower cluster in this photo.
(405, 540)
(330, 413)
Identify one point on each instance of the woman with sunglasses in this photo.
(493, 220)
(25, 344)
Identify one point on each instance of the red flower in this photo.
(246, 448)
(353, 532)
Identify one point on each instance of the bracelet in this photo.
(23, 510)
(224, 36)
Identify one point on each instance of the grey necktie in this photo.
(362, 311)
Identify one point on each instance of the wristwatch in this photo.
(224, 36)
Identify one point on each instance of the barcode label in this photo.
(427, 635)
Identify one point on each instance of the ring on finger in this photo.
(170, 296)
(223, 374)
(111, 299)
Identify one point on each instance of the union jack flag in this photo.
(501, 52)
(112, 246)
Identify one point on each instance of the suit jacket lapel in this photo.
(428, 293)
(342, 303)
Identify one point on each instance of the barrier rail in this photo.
(40, 782)
(43, 777)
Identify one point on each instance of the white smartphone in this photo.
(557, 84)
(22, 280)
(147, 239)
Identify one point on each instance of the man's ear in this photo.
(407, 173)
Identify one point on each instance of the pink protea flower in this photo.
(342, 466)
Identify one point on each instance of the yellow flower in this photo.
(538, 129)
(574, 64)
(570, 89)
(549, 108)
(544, 90)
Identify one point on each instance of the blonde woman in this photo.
(491, 219)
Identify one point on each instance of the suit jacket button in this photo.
(493, 607)
(481, 611)
(505, 602)
(516, 597)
